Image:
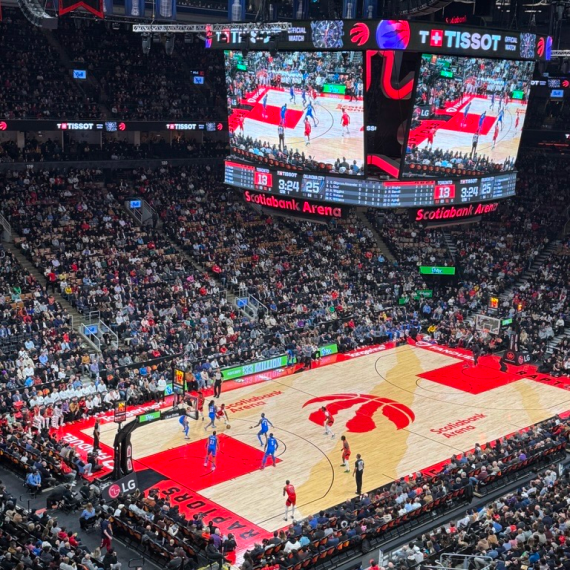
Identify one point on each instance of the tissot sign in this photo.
(398, 35)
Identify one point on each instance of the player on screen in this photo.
(292, 95)
(270, 448)
(329, 421)
(345, 454)
(284, 114)
(307, 131)
(481, 120)
(211, 450)
(311, 113)
(263, 424)
(430, 135)
(465, 113)
(221, 413)
(492, 100)
(495, 135)
(313, 95)
(345, 122)
(304, 96)
(500, 117)
(291, 500)
(517, 120)
(212, 411)
(264, 112)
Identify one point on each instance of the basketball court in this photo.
(327, 141)
(403, 409)
(455, 126)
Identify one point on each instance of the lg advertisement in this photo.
(297, 110)
(468, 116)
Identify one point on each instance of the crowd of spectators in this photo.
(422, 161)
(115, 58)
(35, 84)
(411, 243)
(110, 149)
(259, 149)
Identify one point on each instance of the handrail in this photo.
(7, 229)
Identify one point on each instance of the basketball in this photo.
(228, 426)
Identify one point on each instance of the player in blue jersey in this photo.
(311, 113)
(481, 120)
(212, 409)
(185, 425)
(264, 424)
(211, 450)
(292, 95)
(284, 114)
(304, 96)
(264, 114)
(270, 449)
(500, 118)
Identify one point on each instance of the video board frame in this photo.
(476, 127)
(304, 110)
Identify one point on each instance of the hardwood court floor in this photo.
(327, 140)
(399, 422)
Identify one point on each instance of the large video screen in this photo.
(468, 115)
(297, 110)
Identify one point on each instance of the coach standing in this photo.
(358, 473)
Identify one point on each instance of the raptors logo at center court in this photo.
(363, 419)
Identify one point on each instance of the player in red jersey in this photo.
(345, 122)
(221, 413)
(495, 135)
(329, 421)
(291, 501)
(430, 135)
(345, 454)
(200, 399)
(307, 131)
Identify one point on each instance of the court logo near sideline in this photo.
(363, 419)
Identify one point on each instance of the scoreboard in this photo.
(370, 192)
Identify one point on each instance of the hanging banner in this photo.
(134, 8)
(300, 9)
(369, 9)
(93, 6)
(348, 9)
(108, 7)
(165, 9)
(236, 10)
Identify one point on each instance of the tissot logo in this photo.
(436, 38)
(363, 419)
(460, 40)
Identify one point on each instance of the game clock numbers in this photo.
(286, 186)
(263, 180)
(469, 189)
(444, 193)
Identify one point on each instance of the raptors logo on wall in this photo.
(363, 419)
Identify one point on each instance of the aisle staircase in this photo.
(77, 319)
(537, 263)
(450, 244)
(384, 250)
